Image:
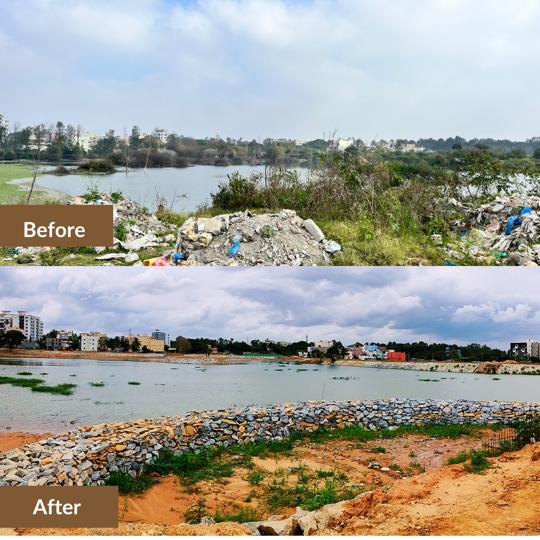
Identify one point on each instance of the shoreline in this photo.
(478, 368)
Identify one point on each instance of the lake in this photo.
(186, 188)
(174, 389)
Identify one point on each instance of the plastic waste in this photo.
(526, 211)
(512, 222)
(177, 256)
(233, 250)
(450, 263)
(156, 261)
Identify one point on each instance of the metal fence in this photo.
(524, 430)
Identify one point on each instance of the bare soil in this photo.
(409, 490)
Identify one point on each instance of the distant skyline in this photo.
(275, 68)
(467, 305)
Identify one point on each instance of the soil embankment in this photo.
(14, 439)
(502, 501)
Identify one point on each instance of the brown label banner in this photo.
(58, 506)
(56, 225)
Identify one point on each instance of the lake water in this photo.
(188, 188)
(174, 389)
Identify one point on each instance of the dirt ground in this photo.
(14, 439)
(409, 491)
(505, 500)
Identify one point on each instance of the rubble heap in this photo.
(507, 227)
(243, 238)
(140, 229)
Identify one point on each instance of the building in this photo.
(321, 346)
(161, 135)
(340, 145)
(87, 140)
(395, 356)
(4, 123)
(62, 341)
(163, 336)
(151, 343)
(525, 349)
(354, 352)
(373, 351)
(90, 341)
(30, 325)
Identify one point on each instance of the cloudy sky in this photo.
(486, 305)
(258, 68)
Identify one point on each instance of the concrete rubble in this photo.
(505, 230)
(243, 238)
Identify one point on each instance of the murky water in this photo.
(183, 189)
(171, 389)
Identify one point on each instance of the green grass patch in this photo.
(192, 467)
(462, 457)
(36, 385)
(97, 384)
(478, 462)
(241, 515)
(25, 373)
(255, 477)
(134, 383)
(61, 389)
(127, 484)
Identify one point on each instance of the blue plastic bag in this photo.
(234, 248)
(513, 221)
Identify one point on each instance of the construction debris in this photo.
(244, 238)
(505, 230)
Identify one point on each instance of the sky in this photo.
(466, 305)
(275, 68)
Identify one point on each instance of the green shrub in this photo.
(127, 484)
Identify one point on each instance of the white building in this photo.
(87, 140)
(342, 144)
(4, 123)
(30, 325)
(162, 336)
(161, 134)
(90, 341)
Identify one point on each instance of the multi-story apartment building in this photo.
(90, 341)
(163, 336)
(30, 325)
(62, 341)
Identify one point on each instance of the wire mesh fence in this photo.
(524, 430)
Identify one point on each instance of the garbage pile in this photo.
(243, 238)
(136, 227)
(507, 228)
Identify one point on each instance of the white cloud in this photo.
(274, 67)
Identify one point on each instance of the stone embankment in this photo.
(87, 455)
(499, 368)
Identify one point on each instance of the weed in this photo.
(241, 515)
(460, 458)
(379, 450)
(127, 484)
(62, 389)
(256, 477)
(478, 462)
(134, 383)
(97, 384)
(24, 373)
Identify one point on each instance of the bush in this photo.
(127, 484)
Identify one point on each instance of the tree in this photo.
(12, 338)
(39, 142)
(102, 344)
(337, 350)
(135, 345)
(536, 153)
(182, 345)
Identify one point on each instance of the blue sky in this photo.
(486, 305)
(257, 68)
